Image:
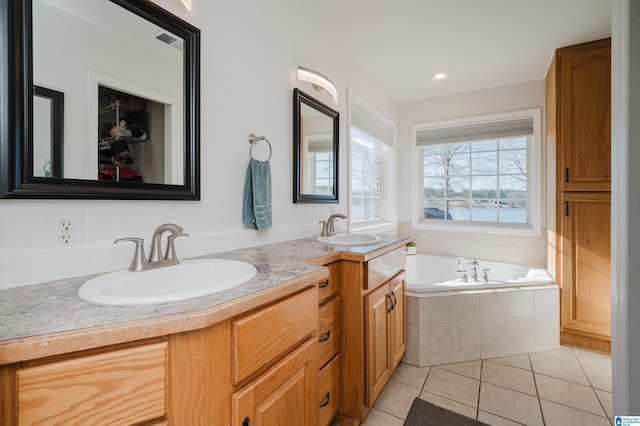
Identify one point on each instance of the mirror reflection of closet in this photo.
(315, 151)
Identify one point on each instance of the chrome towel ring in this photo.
(253, 139)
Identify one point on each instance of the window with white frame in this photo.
(372, 202)
(484, 172)
(366, 178)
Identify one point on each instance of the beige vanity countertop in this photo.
(49, 318)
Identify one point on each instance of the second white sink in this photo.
(190, 278)
(347, 239)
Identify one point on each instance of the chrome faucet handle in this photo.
(463, 275)
(139, 259)
(170, 252)
(323, 233)
(485, 276)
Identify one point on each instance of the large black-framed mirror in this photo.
(132, 107)
(315, 150)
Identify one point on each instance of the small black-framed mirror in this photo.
(315, 150)
(120, 47)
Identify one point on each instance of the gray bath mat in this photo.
(424, 413)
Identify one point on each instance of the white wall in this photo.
(500, 247)
(250, 53)
(625, 199)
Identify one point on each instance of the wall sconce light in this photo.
(318, 81)
(186, 3)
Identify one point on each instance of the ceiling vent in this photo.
(171, 40)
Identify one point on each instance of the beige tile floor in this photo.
(566, 386)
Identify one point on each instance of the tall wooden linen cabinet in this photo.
(578, 92)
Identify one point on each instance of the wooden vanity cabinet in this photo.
(374, 329)
(260, 365)
(120, 387)
(329, 342)
(578, 130)
(385, 335)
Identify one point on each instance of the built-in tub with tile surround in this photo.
(449, 320)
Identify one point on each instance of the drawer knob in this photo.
(324, 284)
(326, 337)
(326, 401)
(245, 422)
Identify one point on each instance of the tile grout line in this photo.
(479, 390)
(535, 384)
(593, 389)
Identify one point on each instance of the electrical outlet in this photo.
(65, 225)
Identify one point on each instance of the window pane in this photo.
(513, 161)
(433, 165)
(434, 187)
(485, 211)
(437, 150)
(435, 209)
(484, 163)
(484, 186)
(458, 148)
(510, 212)
(514, 143)
(484, 146)
(513, 183)
(458, 164)
(459, 209)
(458, 187)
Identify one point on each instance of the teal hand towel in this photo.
(256, 203)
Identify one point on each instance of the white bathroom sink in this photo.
(347, 239)
(190, 278)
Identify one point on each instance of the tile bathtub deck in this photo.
(565, 386)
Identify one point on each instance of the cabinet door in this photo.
(398, 335)
(584, 80)
(586, 283)
(377, 325)
(285, 395)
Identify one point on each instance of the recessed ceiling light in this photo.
(440, 76)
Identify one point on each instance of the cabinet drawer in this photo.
(332, 284)
(383, 268)
(117, 388)
(329, 331)
(329, 385)
(265, 335)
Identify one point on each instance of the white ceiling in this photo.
(478, 43)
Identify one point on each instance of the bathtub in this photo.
(516, 311)
(426, 274)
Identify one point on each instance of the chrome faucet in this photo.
(474, 269)
(156, 259)
(330, 226)
(156, 249)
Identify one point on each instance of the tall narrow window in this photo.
(480, 172)
(372, 202)
(366, 178)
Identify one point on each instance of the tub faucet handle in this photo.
(485, 276)
(463, 275)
